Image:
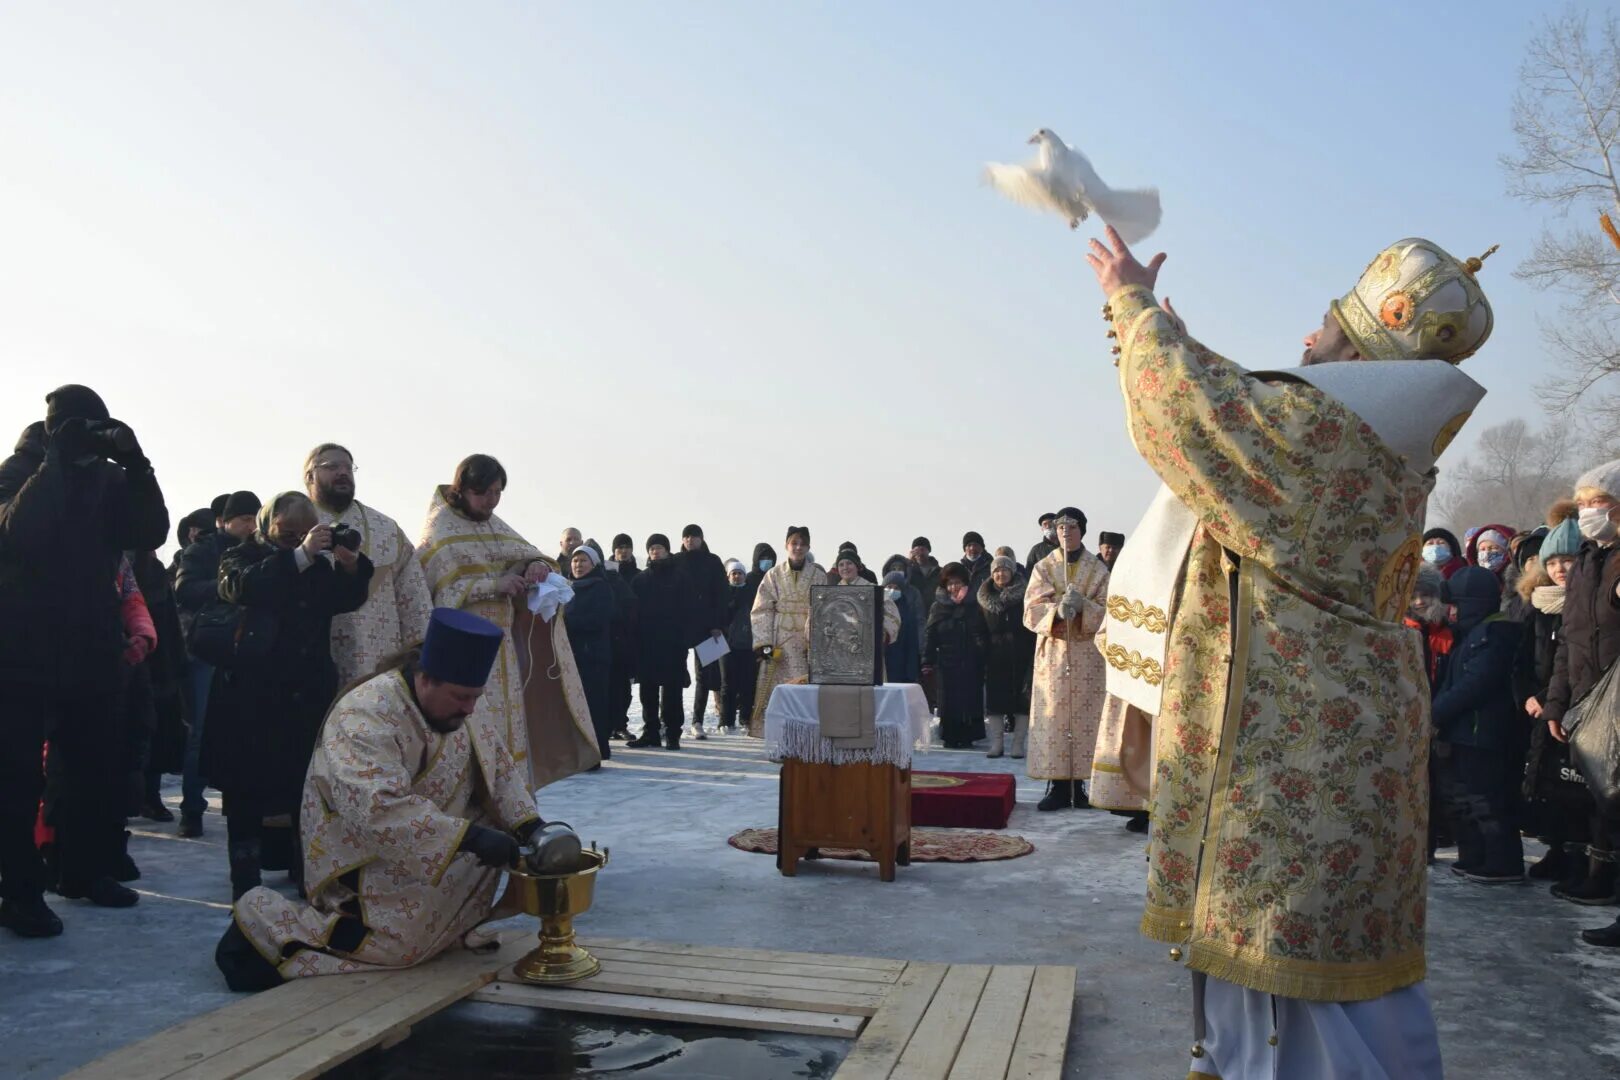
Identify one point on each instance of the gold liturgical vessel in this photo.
(555, 899)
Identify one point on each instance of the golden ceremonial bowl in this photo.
(555, 899)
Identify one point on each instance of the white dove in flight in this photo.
(1062, 181)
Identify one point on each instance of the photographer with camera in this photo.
(74, 496)
(288, 580)
(396, 614)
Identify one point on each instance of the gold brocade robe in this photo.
(1290, 797)
(545, 725)
(781, 619)
(395, 614)
(386, 803)
(1067, 685)
(1120, 769)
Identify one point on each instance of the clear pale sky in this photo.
(724, 263)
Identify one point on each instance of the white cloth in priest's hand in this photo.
(545, 597)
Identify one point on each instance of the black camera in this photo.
(112, 438)
(346, 536)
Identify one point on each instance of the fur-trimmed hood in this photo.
(998, 601)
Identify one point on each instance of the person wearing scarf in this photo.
(1011, 658)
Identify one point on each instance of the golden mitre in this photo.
(1416, 301)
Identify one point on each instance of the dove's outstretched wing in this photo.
(1134, 214)
(1023, 185)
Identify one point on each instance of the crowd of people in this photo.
(221, 667)
(1518, 625)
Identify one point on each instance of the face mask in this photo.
(1435, 554)
(892, 594)
(1493, 560)
(1594, 524)
(766, 564)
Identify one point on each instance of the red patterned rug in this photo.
(962, 800)
(927, 845)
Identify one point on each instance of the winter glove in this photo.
(138, 649)
(490, 847)
(72, 441)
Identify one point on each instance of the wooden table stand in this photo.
(845, 806)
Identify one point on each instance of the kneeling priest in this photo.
(412, 808)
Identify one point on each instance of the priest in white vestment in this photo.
(395, 614)
(476, 562)
(781, 622)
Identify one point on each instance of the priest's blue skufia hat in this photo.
(460, 647)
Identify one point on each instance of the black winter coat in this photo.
(955, 642)
(590, 616)
(196, 582)
(704, 584)
(1036, 554)
(660, 631)
(925, 579)
(64, 528)
(265, 714)
(1591, 629)
(1010, 660)
(622, 634)
(1473, 703)
(739, 611)
(978, 571)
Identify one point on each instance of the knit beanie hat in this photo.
(922, 542)
(971, 537)
(1004, 562)
(1605, 477)
(735, 566)
(1562, 539)
(239, 503)
(623, 540)
(692, 530)
(659, 539)
(894, 577)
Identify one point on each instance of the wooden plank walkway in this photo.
(908, 1020)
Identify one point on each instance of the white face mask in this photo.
(892, 594)
(1595, 524)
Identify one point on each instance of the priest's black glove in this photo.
(490, 847)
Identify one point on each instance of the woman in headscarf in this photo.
(590, 617)
(1011, 656)
(266, 707)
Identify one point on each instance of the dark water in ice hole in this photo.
(474, 1038)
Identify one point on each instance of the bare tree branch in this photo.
(1566, 120)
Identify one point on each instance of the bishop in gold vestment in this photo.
(1291, 792)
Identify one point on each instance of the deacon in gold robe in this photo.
(781, 622)
(1120, 779)
(1064, 607)
(474, 561)
(1290, 798)
(412, 809)
(395, 613)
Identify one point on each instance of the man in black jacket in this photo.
(1048, 544)
(660, 646)
(196, 585)
(74, 496)
(622, 571)
(704, 578)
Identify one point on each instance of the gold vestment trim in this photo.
(1138, 614)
